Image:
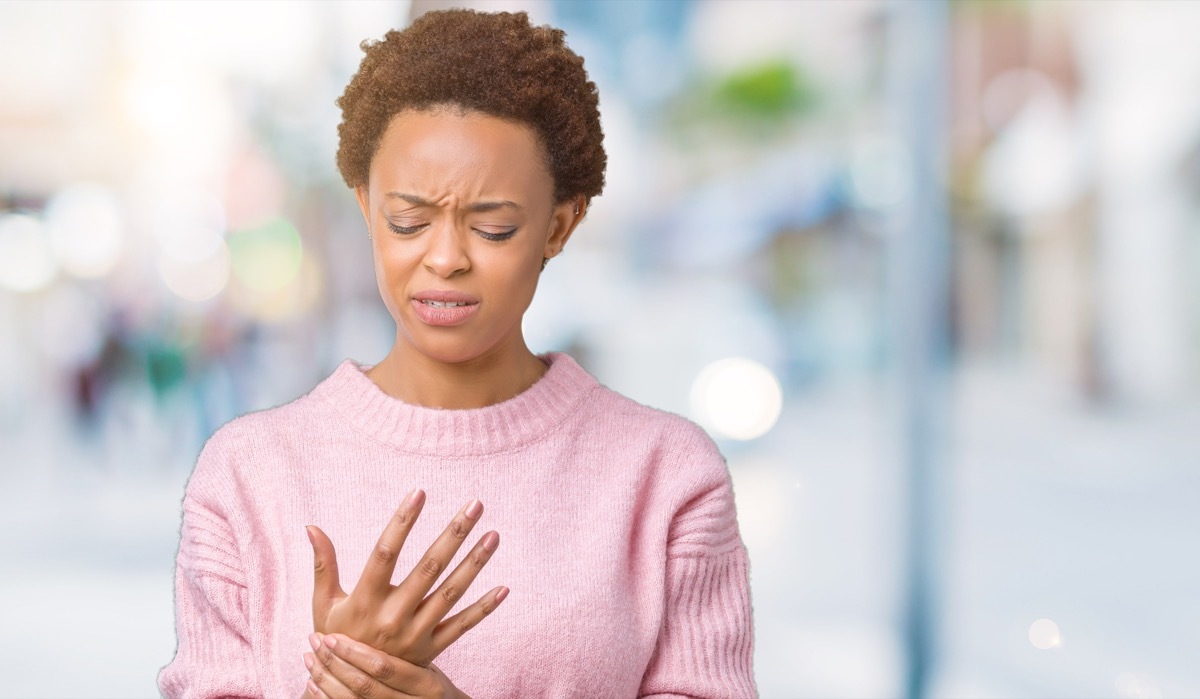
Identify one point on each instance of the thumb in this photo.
(327, 587)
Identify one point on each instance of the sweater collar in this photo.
(510, 424)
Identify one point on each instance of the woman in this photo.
(473, 144)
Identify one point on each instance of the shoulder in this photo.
(675, 429)
(687, 476)
(264, 428)
(254, 439)
(681, 449)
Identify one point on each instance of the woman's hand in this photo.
(342, 668)
(400, 620)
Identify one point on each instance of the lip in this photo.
(445, 296)
(453, 315)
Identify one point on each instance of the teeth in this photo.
(442, 304)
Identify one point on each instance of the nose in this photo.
(446, 254)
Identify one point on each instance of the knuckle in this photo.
(384, 635)
(451, 593)
(324, 654)
(361, 685)
(479, 558)
(378, 668)
(459, 528)
(431, 567)
(467, 623)
(487, 607)
(318, 673)
(383, 553)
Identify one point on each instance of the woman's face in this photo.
(461, 213)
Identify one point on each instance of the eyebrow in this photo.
(474, 207)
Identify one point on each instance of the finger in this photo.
(313, 690)
(327, 586)
(354, 680)
(437, 605)
(453, 628)
(396, 674)
(438, 557)
(376, 580)
(322, 683)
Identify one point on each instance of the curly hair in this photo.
(492, 63)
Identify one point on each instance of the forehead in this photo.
(441, 150)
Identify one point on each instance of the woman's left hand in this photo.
(342, 668)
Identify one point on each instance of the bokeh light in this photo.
(189, 225)
(1044, 634)
(1135, 685)
(737, 398)
(266, 258)
(86, 229)
(287, 302)
(26, 259)
(196, 281)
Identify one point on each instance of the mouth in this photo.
(443, 307)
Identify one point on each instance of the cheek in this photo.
(391, 275)
(509, 281)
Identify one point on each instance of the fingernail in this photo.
(331, 641)
(490, 541)
(474, 508)
(415, 496)
(308, 531)
(308, 661)
(314, 690)
(501, 595)
(314, 641)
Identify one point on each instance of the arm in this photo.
(706, 643)
(213, 657)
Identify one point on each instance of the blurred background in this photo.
(927, 271)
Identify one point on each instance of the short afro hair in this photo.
(492, 63)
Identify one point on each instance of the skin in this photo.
(456, 163)
(451, 181)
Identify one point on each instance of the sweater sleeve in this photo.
(706, 642)
(213, 657)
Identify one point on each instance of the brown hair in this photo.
(493, 63)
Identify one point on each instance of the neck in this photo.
(418, 379)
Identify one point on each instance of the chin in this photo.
(448, 347)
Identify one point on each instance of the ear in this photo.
(563, 221)
(364, 203)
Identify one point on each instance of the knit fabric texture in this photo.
(618, 540)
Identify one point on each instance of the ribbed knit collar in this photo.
(519, 420)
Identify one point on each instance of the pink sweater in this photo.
(618, 540)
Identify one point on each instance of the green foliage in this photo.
(758, 102)
(770, 91)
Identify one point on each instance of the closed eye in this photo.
(501, 235)
(405, 230)
(486, 235)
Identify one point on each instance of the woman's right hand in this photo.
(401, 620)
